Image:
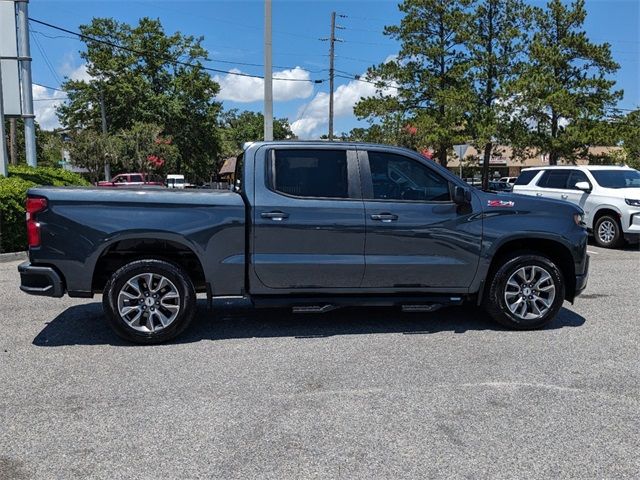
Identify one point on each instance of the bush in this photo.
(13, 191)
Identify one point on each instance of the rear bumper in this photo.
(581, 280)
(44, 281)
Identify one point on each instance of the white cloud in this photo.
(250, 89)
(313, 117)
(45, 102)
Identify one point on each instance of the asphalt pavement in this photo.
(358, 393)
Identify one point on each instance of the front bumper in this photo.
(581, 280)
(44, 281)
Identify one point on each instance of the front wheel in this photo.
(607, 232)
(526, 291)
(149, 301)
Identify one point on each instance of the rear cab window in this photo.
(309, 173)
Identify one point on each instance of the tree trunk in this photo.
(553, 154)
(442, 155)
(485, 165)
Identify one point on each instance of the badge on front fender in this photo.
(500, 203)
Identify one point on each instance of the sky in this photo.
(233, 35)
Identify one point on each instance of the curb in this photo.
(12, 257)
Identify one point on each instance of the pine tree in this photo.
(566, 87)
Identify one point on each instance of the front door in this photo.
(417, 237)
(308, 219)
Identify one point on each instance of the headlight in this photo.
(579, 219)
(633, 202)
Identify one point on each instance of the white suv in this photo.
(609, 196)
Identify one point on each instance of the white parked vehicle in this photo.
(609, 196)
(509, 180)
(175, 181)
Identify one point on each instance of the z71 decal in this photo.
(500, 203)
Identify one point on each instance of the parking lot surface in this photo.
(358, 393)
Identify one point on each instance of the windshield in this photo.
(617, 178)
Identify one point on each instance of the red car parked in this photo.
(133, 180)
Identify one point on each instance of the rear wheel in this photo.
(526, 291)
(607, 232)
(149, 301)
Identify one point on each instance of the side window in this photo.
(136, 178)
(525, 177)
(554, 179)
(120, 179)
(575, 177)
(310, 173)
(396, 177)
(238, 174)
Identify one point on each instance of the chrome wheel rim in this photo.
(529, 292)
(607, 231)
(149, 302)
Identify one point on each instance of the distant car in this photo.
(132, 180)
(500, 187)
(509, 180)
(609, 196)
(175, 181)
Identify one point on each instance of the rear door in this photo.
(417, 237)
(308, 219)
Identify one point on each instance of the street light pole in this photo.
(268, 81)
(24, 56)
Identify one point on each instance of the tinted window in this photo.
(575, 177)
(617, 178)
(554, 179)
(400, 178)
(135, 178)
(311, 173)
(526, 176)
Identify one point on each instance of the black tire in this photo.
(605, 240)
(495, 303)
(186, 301)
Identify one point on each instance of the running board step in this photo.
(432, 307)
(313, 308)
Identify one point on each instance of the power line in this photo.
(170, 60)
(48, 87)
(214, 60)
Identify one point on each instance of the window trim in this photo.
(367, 180)
(353, 180)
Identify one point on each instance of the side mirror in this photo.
(584, 186)
(461, 195)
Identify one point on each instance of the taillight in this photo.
(33, 206)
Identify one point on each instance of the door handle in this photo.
(538, 194)
(275, 216)
(384, 217)
(564, 195)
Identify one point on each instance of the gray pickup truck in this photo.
(310, 226)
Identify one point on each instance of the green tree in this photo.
(565, 89)
(90, 149)
(431, 71)
(240, 127)
(497, 39)
(143, 148)
(142, 82)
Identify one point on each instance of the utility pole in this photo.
(268, 80)
(24, 57)
(332, 40)
(4, 167)
(13, 147)
(103, 113)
